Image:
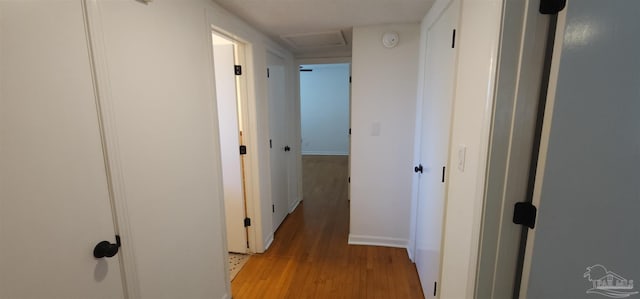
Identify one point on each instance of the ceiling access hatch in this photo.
(315, 40)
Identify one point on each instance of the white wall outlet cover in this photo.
(390, 39)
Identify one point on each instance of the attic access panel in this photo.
(315, 40)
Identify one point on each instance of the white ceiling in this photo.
(292, 17)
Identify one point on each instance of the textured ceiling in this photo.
(287, 17)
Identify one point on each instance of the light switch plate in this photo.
(462, 153)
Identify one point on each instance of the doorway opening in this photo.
(325, 116)
(325, 109)
(228, 58)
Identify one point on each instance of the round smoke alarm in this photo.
(390, 39)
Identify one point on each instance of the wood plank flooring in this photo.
(310, 257)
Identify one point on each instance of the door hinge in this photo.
(273, 208)
(270, 143)
(453, 39)
(552, 7)
(444, 172)
(349, 131)
(237, 69)
(525, 213)
(349, 179)
(349, 79)
(247, 222)
(243, 150)
(435, 287)
(268, 75)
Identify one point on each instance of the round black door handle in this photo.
(418, 168)
(106, 249)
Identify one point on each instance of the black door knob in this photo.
(418, 168)
(106, 249)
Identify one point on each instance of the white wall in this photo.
(478, 40)
(256, 130)
(383, 124)
(324, 97)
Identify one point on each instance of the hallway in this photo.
(310, 257)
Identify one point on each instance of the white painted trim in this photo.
(321, 153)
(268, 242)
(478, 38)
(410, 253)
(294, 205)
(226, 296)
(544, 143)
(377, 241)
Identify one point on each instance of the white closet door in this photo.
(54, 199)
(436, 128)
(278, 131)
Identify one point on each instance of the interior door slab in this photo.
(435, 138)
(54, 198)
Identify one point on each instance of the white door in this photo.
(54, 198)
(226, 97)
(436, 127)
(279, 142)
(160, 101)
(586, 240)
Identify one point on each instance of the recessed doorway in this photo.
(227, 58)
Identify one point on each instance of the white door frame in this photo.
(512, 145)
(544, 145)
(304, 61)
(246, 120)
(235, 201)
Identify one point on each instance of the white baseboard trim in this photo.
(314, 153)
(377, 241)
(294, 206)
(268, 242)
(410, 254)
(226, 296)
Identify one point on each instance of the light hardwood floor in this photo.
(310, 257)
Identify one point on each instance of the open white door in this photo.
(158, 87)
(279, 142)
(586, 240)
(226, 97)
(435, 138)
(54, 196)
